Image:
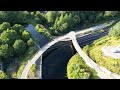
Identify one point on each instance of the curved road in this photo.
(42, 50)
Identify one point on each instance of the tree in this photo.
(25, 35)
(40, 18)
(37, 26)
(5, 52)
(91, 18)
(51, 16)
(64, 27)
(76, 19)
(19, 47)
(66, 17)
(4, 26)
(55, 24)
(15, 16)
(83, 17)
(3, 75)
(18, 28)
(111, 13)
(8, 36)
(37, 20)
(30, 42)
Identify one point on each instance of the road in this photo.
(48, 45)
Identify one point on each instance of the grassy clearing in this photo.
(95, 52)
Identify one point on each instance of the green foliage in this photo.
(20, 70)
(65, 22)
(4, 26)
(14, 16)
(18, 28)
(5, 52)
(25, 35)
(86, 49)
(61, 22)
(14, 75)
(115, 30)
(19, 47)
(10, 46)
(111, 13)
(101, 41)
(77, 69)
(64, 27)
(3, 75)
(37, 20)
(8, 36)
(51, 16)
(32, 69)
(23, 59)
(108, 62)
(95, 52)
(42, 30)
(30, 42)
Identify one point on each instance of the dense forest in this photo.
(14, 42)
(57, 22)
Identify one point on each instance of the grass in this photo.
(32, 69)
(95, 52)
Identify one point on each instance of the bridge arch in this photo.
(39, 53)
(72, 37)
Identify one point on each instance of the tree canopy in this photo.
(19, 47)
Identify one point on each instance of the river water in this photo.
(55, 64)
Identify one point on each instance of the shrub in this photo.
(30, 42)
(3, 75)
(32, 69)
(77, 69)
